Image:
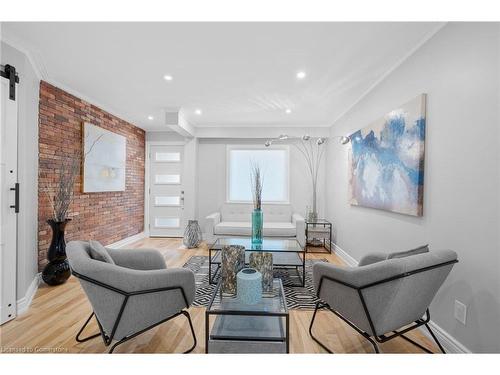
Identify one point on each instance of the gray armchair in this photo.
(383, 295)
(134, 294)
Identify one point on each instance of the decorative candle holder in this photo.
(249, 286)
(263, 262)
(233, 261)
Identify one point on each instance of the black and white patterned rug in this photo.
(297, 297)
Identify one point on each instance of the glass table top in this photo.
(268, 244)
(317, 221)
(271, 303)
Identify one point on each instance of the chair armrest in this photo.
(138, 259)
(135, 281)
(300, 227)
(211, 221)
(372, 258)
(337, 286)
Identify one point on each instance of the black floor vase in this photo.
(57, 271)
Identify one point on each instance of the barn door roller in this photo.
(9, 72)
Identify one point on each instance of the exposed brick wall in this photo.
(106, 217)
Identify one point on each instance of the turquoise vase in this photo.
(257, 223)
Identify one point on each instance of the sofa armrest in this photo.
(138, 259)
(211, 221)
(300, 227)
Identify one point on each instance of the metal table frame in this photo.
(212, 254)
(324, 223)
(249, 312)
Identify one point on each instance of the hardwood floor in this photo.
(57, 313)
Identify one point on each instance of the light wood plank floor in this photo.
(57, 313)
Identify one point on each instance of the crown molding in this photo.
(41, 72)
(419, 45)
(91, 101)
(35, 61)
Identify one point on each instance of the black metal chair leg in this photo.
(183, 312)
(435, 338)
(186, 314)
(374, 344)
(78, 339)
(318, 306)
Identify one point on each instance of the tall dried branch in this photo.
(257, 184)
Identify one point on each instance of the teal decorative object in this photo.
(257, 224)
(249, 286)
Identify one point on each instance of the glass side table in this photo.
(318, 236)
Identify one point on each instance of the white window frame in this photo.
(286, 148)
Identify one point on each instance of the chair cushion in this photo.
(402, 254)
(244, 228)
(99, 252)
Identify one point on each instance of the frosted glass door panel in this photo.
(168, 157)
(167, 222)
(167, 179)
(167, 200)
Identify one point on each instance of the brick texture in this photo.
(106, 217)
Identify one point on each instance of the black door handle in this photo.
(16, 198)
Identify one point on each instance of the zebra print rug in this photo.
(300, 298)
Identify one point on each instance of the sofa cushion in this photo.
(244, 228)
(99, 252)
(233, 212)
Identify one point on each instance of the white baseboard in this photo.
(127, 241)
(449, 343)
(24, 303)
(349, 260)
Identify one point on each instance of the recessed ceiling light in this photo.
(151, 117)
(168, 77)
(301, 75)
(288, 111)
(198, 112)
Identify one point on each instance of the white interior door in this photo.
(166, 195)
(8, 215)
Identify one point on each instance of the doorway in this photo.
(166, 190)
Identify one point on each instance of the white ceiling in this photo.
(238, 74)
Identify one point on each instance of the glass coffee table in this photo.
(287, 253)
(234, 327)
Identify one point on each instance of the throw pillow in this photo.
(99, 252)
(402, 254)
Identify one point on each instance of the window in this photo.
(274, 166)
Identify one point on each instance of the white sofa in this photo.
(235, 219)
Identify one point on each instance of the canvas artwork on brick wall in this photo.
(106, 216)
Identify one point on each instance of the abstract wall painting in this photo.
(105, 160)
(387, 161)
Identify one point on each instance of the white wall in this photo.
(28, 89)
(459, 70)
(212, 177)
